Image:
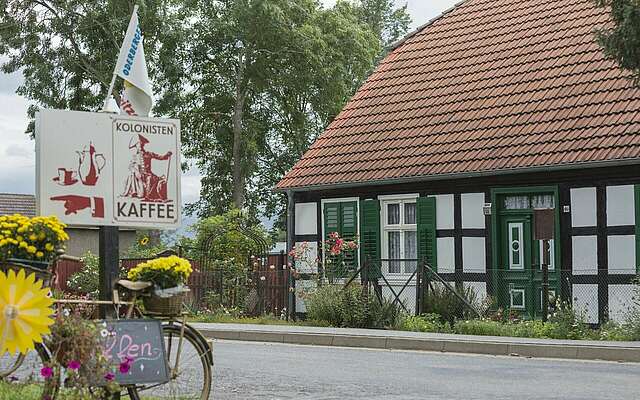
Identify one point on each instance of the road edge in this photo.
(577, 351)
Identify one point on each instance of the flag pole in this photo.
(111, 85)
(113, 77)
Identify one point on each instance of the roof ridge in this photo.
(17, 194)
(411, 34)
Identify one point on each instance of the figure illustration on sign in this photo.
(141, 182)
(90, 165)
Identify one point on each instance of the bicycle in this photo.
(188, 354)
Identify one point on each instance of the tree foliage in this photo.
(621, 41)
(253, 82)
(67, 50)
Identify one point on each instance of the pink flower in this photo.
(334, 235)
(46, 372)
(74, 365)
(339, 242)
(352, 245)
(110, 376)
(292, 253)
(124, 367)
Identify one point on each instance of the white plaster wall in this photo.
(583, 207)
(446, 254)
(584, 255)
(585, 300)
(479, 288)
(307, 264)
(306, 218)
(473, 254)
(472, 215)
(621, 301)
(620, 205)
(621, 250)
(305, 286)
(444, 211)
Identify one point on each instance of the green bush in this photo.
(569, 323)
(440, 300)
(350, 307)
(425, 323)
(87, 279)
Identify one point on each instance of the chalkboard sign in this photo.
(140, 340)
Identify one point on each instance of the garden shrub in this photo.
(568, 322)
(350, 307)
(441, 301)
(87, 280)
(425, 323)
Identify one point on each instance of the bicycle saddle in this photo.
(133, 286)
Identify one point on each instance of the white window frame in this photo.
(520, 250)
(551, 291)
(524, 299)
(401, 227)
(552, 254)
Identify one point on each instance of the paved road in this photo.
(249, 370)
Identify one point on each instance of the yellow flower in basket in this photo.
(163, 272)
(35, 238)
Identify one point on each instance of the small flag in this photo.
(132, 67)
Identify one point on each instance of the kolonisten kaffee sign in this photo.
(106, 169)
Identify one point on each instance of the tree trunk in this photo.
(238, 109)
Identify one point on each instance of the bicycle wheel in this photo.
(191, 379)
(24, 375)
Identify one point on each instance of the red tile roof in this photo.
(11, 203)
(492, 85)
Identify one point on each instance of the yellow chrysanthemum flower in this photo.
(25, 312)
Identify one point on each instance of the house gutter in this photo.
(423, 178)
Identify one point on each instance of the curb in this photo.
(577, 351)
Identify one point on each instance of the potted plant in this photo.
(169, 276)
(30, 243)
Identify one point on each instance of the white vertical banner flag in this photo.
(132, 67)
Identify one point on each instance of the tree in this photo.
(262, 77)
(254, 82)
(621, 41)
(66, 50)
(388, 23)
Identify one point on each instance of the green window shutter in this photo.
(426, 226)
(331, 218)
(349, 231)
(370, 234)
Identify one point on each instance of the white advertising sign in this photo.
(106, 169)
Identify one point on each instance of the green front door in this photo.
(518, 277)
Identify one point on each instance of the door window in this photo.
(546, 245)
(517, 298)
(516, 253)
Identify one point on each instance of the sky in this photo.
(17, 155)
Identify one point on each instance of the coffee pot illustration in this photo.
(90, 164)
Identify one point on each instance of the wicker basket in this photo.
(41, 269)
(164, 305)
